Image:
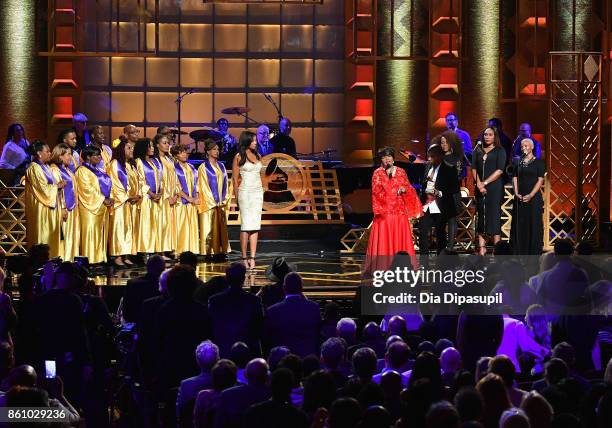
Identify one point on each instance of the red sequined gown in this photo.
(391, 230)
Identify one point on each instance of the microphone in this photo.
(191, 91)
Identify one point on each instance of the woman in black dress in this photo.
(453, 156)
(527, 232)
(488, 163)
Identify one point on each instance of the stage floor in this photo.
(326, 274)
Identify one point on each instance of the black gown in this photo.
(527, 233)
(488, 206)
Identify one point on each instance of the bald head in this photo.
(450, 360)
(257, 371)
(23, 375)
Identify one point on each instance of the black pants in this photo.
(425, 225)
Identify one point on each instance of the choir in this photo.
(140, 196)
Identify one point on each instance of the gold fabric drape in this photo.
(43, 214)
(212, 216)
(188, 238)
(93, 216)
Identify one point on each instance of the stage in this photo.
(327, 274)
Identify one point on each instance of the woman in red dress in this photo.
(394, 203)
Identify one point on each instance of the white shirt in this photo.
(13, 155)
(430, 187)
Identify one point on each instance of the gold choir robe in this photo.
(166, 226)
(71, 227)
(93, 216)
(215, 193)
(147, 215)
(43, 213)
(107, 156)
(186, 213)
(121, 228)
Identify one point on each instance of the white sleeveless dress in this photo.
(250, 196)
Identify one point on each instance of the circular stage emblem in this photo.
(284, 182)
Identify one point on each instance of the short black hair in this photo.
(564, 247)
(386, 151)
(435, 150)
(181, 282)
(89, 151)
(63, 133)
(188, 258)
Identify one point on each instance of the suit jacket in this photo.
(236, 316)
(137, 291)
(235, 402)
(447, 183)
(295, 322)
(187, 393)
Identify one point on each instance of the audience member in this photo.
(276, 272)
(181, 325)
(333, 354)
(396, 358)
(240, 354)
(537, 409)
(207, 355)
(442, 415)
(214, 285)
(236, 314)
(450, 363)
(495, 399)
(235, 401)
(296, 321)
(319, 391)
(502, 366)
(223, 376)
(514, 418)
(344, 413)
(294, 363)
(278, 412)
(469, 404)
(364, 368)
(373, 338)
(331, 316)
(276, 354)
(142, 288)
(554, 370)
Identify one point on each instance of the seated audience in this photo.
(223, 376)
(502, 366)
(396, 358)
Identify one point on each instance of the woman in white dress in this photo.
(248, 190)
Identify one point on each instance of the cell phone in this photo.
(50, 371)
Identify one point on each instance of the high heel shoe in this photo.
(251, 263)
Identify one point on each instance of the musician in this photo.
(263, 143)
(42, 209)
(394, 202)
(489, 161)
(228, 144)
(525, 132)
(94, 201)
(97, 140)
(282, 142)
(61, 161)
(215, 192)
(79, 121)
(452, 125)
(527, 232)
(440, 184)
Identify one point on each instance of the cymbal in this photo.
(175, 131)
(236, 110)
(205, 134)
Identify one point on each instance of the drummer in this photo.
(228, 143)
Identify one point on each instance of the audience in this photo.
(223, 376)
(502, 366)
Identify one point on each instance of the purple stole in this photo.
(103, 179)
(150, 176)
(122, 174)
(183, 180)
(69, 198)
(212, 180)
(47, 171)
